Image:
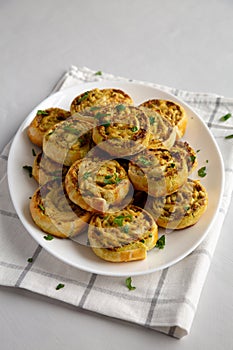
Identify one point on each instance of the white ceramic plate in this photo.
(178, 243)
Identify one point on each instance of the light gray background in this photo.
(187, 44)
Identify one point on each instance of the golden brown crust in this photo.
(68, 141)
(99, 97)
(122, 130)
(158, 171)
(97, 185)
(123, 236)
(52, 211)
(43, 121)
(171, 110)
(180, 209)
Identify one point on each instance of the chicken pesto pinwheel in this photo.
(43, 121)
(99, 97)
(158, 171)
(44, 169)
(54, 213)
(121, 130)
(97, 185)
(123, 236)
(68, 141)
(161, 130)
(181, 209)
(173, 111)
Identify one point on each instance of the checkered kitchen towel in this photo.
(158, 302)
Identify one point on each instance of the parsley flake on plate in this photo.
(161, 242)
(202, 171)
(48, 237)
(59, 286)
(225, 117)
(128, 283)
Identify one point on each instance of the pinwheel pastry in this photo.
(97, 184)
(123, 236)
(181, 209)
(161, 130)
(99, 97)
(188, 153)
(54, 213)
(173, 111)
(158, 171)
(43, 121)
(68, 141)
(122, 130)
(44, 169)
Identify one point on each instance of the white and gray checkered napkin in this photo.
(165, 301)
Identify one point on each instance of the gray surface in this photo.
(186, 44)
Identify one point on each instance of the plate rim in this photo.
(115, 84)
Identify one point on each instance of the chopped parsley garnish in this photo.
(30, 260)
(225, 117)
(152, 120)
(83, 97)
(29, 169)
(144, 161)
(98, 72)
(202, 171)
(118, 220)
(107, 123)
(100, 115)
(128, 283)
(48, 237)
(120, 108)
(59, 286)
(192, 158)
(172, 165)
(41, 207)
(41, 112)
(229, 136)
(112, 179)
(86, 175)
(160, 242)
(108, 180)
(71, 130)
(134, 129)
(33, 152)
(187, 207)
